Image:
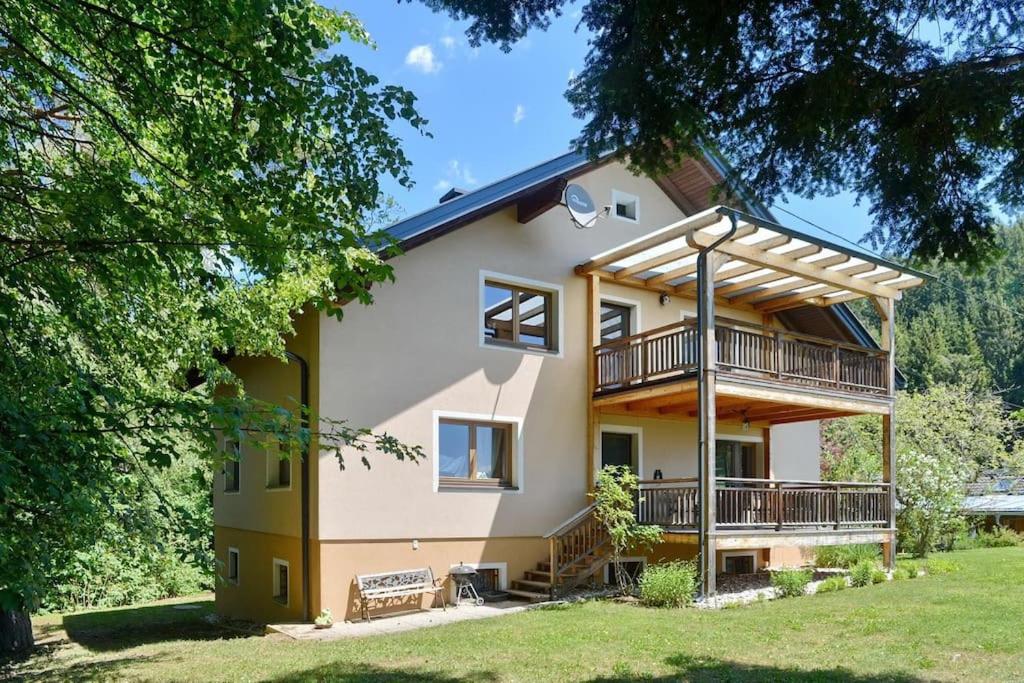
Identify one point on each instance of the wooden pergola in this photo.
(730, 257)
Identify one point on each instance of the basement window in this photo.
(233, 565)
(739, 563)
(625, 206)
(281, 581)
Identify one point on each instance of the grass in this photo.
(963, 625)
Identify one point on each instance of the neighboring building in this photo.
(524, 353)
(997, 497)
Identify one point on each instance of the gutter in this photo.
(304, 478)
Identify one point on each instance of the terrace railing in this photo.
(777, 504)
(743, 349)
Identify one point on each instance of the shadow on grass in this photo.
(121, 629)
(345, 672)
(697, 670)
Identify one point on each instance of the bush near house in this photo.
(668, 584)
(845, 556)
(791, 582)
(862, 573)
(831, 585)
(999, 537)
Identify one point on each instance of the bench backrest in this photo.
(399, 580)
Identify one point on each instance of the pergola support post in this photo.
(887, 312)
(593, 338)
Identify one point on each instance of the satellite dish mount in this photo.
(582, 210)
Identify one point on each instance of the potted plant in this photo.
(324, 620)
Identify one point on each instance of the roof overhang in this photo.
(769, 267)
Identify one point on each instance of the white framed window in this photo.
(279, 469)
(232, 568)
(491, 576)
(477, 452)
(620, 445)
(625, 206)
(632, 566)
(232, 466)
(739, 561)
(520, 314)
(280, 581)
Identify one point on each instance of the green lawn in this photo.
(968, 625)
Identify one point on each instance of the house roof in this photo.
(1002, 505)
(997, 482)
(458, 211)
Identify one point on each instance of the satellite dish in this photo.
(581, 207)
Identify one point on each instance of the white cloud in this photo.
(456, 174)
(422, 58)
(519, 114)
(572, 74)
(448, 42)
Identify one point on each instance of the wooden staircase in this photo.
(578, 549)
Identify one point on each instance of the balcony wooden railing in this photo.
(767, 504)
(743, 349)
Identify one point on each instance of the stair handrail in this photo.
(571, 522)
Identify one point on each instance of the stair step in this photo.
(537, 576)
(545, 585)
(544, 566)
(529, 595)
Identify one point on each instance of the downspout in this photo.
(706, 305)
(303, 477)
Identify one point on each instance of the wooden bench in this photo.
(397, 584)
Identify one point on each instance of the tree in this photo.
(944, 435)
(912, 105)
(177, 180)
(615, 498)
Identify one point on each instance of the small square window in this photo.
(279, 467)
(625, 206)
(281, 581)
(233, 565)
(232, 466)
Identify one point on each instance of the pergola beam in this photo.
(793, 267)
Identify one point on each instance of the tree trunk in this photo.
(15, 631)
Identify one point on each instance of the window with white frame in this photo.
(628, 569)
(625, 206)
(232, 466)
(475, 453)
(739, 563)
(281, 581)
(279, 467)
(232, 568)
(519, 316)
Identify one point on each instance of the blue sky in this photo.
(493, 113)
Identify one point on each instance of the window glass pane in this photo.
(284, 471)
(232, 565)
(615, 322)
(453, 440)
(491, 446)
(533, 318)
(497, 312)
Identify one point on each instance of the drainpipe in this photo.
(706, 369)
(304, 477)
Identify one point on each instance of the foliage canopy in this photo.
(913, 105)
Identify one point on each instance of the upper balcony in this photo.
(669, 353)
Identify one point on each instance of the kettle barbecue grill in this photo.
(464, 588)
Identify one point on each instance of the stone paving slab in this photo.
(403, 622)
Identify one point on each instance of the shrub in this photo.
(903, 573)
(1000, 537)
(937, 566)
(833, 584)
(668, 584)
(791, 582)
(909, 568)
(862, 573)
(879, 576)
(845, 556)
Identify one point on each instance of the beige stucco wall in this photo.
(252, 597)
(417, 350)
